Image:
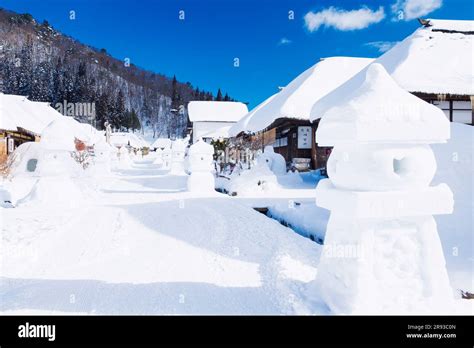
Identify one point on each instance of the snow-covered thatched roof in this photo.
(216, 111)
(434, 59)
(243, 124)
(295, 100)
(359, 111)
(57, 131)
(17, 111)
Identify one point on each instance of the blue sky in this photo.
(272, 47)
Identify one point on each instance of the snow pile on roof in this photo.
(296, 99)
(222, 132)
(216, 111)
(61, 133)
(17, 111)
(371, 107)
(124, 138)
(242, 124)
(161, 143)
(434, 59)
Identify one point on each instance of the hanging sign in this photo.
(304, 137)
(11, 145)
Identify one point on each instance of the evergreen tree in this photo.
(134, 121)
(102, 110)
(219, 95)
(118, 111)
(176, 122)
(24, 71)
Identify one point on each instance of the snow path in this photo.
(145, 245)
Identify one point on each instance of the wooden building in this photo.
(11, 139)
(21, 121)
(282, 120)
(434, 63)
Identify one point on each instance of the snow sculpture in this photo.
(275, 162)
(177, 157)
(382, 252)
(125, 161)
(159, 157)
(52, 166)
(102, 160)
(167, 158)
(201, 167)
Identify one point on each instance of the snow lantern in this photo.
(382, 252)
(178, 149)
(159, 157)
(167, 158)
(201, 167)
(102, 156)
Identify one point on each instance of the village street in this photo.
(141, 243)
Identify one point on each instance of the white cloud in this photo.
(411, 9)
(284, 41)
(343, 20)
(382, 46)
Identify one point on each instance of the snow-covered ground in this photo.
(136, 241)
(143, 244)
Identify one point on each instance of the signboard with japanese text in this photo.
(304, 137)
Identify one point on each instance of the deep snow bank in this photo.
(456, 168)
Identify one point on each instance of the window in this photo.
(31, 165)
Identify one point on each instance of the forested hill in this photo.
(39, 62)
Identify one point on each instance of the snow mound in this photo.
(54, 191)
(201, 182)
(456, 231)
(5, 198)
(256, 180)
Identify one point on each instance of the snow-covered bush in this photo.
(253, 181)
